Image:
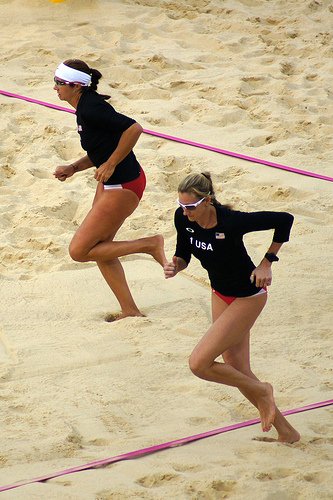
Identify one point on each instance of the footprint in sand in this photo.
(40, 174)
(172, 170)
(277, 152)
(186, 467)
(288, 68)
(6, 171)
(317, 477)
(278, 473)
(215, 489)
(252, 85)
(65, 149)
(156, 480)
(260, 140)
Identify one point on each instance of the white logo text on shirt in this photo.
(201, 244)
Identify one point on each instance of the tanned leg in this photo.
(227, 331)
(238, 356)
(93, 241)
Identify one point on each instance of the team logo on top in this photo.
(219, 236)
(190, 230)
(202, 245)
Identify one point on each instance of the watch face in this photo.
(271, 257)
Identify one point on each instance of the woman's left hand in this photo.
(261, 276)
(104, 172)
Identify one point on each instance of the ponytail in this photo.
(94, 73)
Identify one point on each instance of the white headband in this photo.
(72, 75)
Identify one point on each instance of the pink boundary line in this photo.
(189, 143)
(159, 447)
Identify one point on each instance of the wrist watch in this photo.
(271, 257)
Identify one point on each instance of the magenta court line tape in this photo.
(159, 447)
(187, 142)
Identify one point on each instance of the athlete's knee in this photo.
(197, 366)
(76, 253)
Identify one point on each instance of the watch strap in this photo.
(271, 257)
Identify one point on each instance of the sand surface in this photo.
(254, 77)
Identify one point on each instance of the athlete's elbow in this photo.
(289, 218)
(138, 129)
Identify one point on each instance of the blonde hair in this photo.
(200, 185)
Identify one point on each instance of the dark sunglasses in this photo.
(60, 83)
(191, 206)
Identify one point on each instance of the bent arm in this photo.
(82, 164)
(125, 145)
(63, 172)
(247, 222)
(262, 274)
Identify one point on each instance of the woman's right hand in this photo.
(62, 172)
(170, 268)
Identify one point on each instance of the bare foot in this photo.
(289, 438)
(110, 318)
(292, 436)
(266, 407)
(156, 250)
